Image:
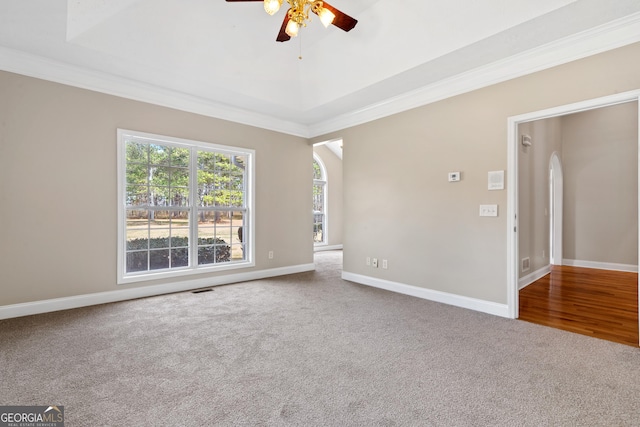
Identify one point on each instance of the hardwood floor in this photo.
(599, 303)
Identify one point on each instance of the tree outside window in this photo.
(185, 205)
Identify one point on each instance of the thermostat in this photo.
(496, 180)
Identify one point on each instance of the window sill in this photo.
(164, 274)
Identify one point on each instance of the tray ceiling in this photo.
(221, 58)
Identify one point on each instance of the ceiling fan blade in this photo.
(342, 20)
(282, 35)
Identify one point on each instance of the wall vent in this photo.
(526, 263)
(199, 291)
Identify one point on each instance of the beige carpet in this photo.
(311, 350)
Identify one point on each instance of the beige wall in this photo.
(333, 164)
(399, 205)
(533, 189)
(600, 165)
(58, 225)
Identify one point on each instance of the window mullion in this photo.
(193, 209)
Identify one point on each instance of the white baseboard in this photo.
(601, 265)
(483, 306)
(327, 248)
(532, 277)
(56, 304)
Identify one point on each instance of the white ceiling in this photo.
(221, 59)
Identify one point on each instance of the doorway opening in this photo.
(555, 200)
(327, 203)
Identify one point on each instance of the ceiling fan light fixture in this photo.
(292, 28)
(272, 6)
(326, 17)
(298, 15)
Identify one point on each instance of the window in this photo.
(184, 207)
(319, 202)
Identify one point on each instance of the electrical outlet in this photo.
(375, 263)
(368, 260)
(270, 254)
(385, 264)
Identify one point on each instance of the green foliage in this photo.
(318, 197)
(173, 252)
(219, 251)
(220, 179)
(158, 175)
(317, 171)
(137, 152)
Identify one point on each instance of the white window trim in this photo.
(122, 277)
(325, 182)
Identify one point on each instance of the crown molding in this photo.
(612, 35)
(599, 39)
(47, 69)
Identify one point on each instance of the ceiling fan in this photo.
(298, 14)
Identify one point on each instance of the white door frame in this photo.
(512, 178)
(556, 184)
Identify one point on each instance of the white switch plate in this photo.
(488, 210)
(454, 176)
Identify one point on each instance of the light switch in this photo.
(488, 210)
(454, 176)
